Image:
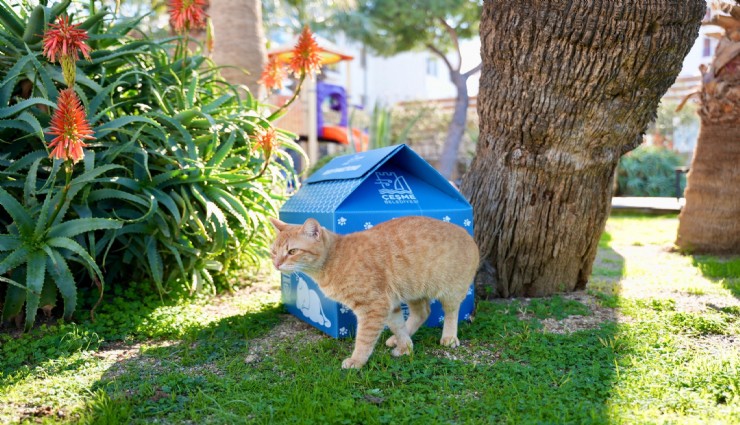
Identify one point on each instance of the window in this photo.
(432, 67)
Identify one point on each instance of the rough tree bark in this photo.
(239, 41)
(566, 88)
(710, 221)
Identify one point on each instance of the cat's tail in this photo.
(327, 323)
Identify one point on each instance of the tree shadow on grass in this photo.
(124, 320)
(723, 270)
(249, 368)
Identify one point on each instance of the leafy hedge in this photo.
(648, 171)
(173, 189)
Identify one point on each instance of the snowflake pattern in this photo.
(446, 219)
(342, 221)
(467, 223)
(343, 331)
(368, 225)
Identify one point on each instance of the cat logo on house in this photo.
(394, 189)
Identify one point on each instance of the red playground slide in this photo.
(338, 134)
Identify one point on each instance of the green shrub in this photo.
(648, 171)
(174, 166)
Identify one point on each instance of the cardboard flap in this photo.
(353, 166)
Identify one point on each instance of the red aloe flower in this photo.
(266, 139)
(65, 40)
(306, 57)
(273, 75)
(187, 14)
(70, 126)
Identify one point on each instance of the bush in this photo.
(648, 171)
(172, 190)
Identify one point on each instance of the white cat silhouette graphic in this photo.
(310, 304)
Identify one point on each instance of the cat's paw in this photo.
(403, 349)
(351, 363)
(450, 341)
(391, 342)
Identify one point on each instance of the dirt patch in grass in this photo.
(290, 329)
(478, 354)
(574, 323)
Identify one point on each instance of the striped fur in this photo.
(409, 259)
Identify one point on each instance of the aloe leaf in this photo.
(48, 294)
(222, 151)
(11, 282)
(35, 272)
(104, 129)
(155, 261)
(67, 243)
(78, 183)
(101, 194)
(167, 201)
(78, 226)
(57, 267)
(26, 160)
(213, 106)
(33, 123)
(29, 188)
(228, 201)
(17, 212)
(15, 297)
(10, 20)
(9, 242)
(9, 82)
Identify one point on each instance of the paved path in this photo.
(647, 205)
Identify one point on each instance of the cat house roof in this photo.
(387, 179)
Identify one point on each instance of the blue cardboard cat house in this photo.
(355, 192)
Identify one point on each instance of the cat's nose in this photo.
(277, 264)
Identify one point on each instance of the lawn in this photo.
(654, 339)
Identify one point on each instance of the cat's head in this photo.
(298, 247)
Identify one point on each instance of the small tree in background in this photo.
(390, 27)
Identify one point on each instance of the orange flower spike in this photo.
(306, 57)
(70, 125)
(273, 75)
(266, 139)
(187, 14)
(65, 40)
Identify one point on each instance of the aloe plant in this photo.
(174, 161)
(41, 241)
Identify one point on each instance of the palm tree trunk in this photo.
(710, 221)
(566, 89)
(239, 41)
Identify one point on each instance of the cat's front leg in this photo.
(369, 326)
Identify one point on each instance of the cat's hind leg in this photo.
(449, 329)
(418, 313)
(369, 326)
(401, 338)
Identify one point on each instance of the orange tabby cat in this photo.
(409, 259)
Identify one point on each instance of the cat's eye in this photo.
(292, 251)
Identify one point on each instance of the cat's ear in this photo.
(312, 229)
(279, 225)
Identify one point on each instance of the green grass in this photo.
(665, 352)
